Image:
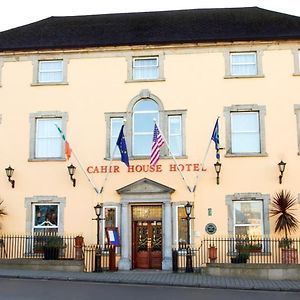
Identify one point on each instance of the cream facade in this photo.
(191, 85)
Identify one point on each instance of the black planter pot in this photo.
(238, 260)
(51, 253)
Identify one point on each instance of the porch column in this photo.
(124, 263)
(167, 238)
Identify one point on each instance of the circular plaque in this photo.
(211, 228)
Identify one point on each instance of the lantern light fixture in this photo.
(218, 166)
(281, 167)
(9, 173)
(71, 170)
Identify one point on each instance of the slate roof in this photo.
(152, 28)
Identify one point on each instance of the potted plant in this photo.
(53, 244)
(240, 258)
(212, 253)
(283, 208)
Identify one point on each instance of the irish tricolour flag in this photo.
(68, 149)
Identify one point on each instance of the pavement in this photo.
(161, 278)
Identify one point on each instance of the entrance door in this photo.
(147, 244)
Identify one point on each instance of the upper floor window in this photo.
(245, 130)
(50, 71)
(139, 126)
(296, 54)
(144, 113)
(45, 140)
(145, 68)
(242, 64)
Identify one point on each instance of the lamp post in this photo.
(218, 170)
(71, 170)
(98, 211)
(189, 261)
(281, 166)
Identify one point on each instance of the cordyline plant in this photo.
(283, 207)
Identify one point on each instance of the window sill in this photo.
(46, 159)
(144, 80)
(294, 74)
(243, 76)
(265, 154)
(48, 83)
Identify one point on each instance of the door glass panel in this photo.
(156, 236)
(142, 238)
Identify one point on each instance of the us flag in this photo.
(156, 144)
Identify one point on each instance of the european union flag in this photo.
(216, 139)
(122, 147)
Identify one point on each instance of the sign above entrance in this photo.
(189, 167)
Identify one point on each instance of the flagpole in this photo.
(202, 163)
(108, 170)
(76, 157)
(174, 159)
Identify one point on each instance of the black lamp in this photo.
(98, 212)
(281, 166)
(9, 172)
(189, 262)
(218, 166)
(71, 170)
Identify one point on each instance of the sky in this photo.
(21, 12)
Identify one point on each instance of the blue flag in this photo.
(215, 138)
(122, 147)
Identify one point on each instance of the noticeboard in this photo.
(112, 235)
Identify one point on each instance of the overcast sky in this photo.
(20, 12)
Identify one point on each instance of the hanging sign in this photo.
(112, 235)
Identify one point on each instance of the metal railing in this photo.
(253, 250)
(17, 246)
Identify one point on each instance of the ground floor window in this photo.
(45, 218)
(181, 227)
(248, 218)
(110, 220)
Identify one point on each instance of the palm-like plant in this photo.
(283, 207)
(2, 211)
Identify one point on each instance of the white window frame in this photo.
(245, 108)
(170, 135)
(176, 224)
(58, 71)
(152, 68)
(113, 139)
(33, 216)
(239, 133)
(261, 224)
(232, 64)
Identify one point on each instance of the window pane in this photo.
(175, 135)
(143, 122)
(145, 68)
(116, 124)
(145, 105)
(142, 144)
(48, 140)
(182, 225)
(46, 215)
(110, 217)
(245, 133)
(51, 71)
(243, 64)
(248, 212)
(248, 230)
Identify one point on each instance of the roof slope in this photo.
(155, 28)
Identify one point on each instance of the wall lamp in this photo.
(281, 166)
(9, 173)
(71, 170)
(218, 166)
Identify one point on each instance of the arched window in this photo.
(144, 113)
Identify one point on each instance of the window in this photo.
(110, 215)
(1, 66)
(50, 71)
(248, 214)
(296, 55)
(243, 64)
(48, 140)
(45, 218)
(245, 130)
(144, 112)
(115, 126)
(248, 218)
(181, 225)
(175, 135)
(145, 68)
(141, 112)
(45, 140)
